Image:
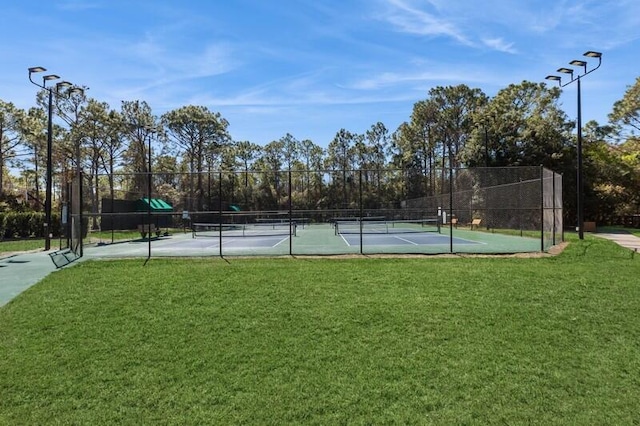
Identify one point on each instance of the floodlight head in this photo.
(50, 77)
(76, 91)
(592, 54)
(565, 70)
(554, 78)
(577, 63)
(36, 69)
(63, 84)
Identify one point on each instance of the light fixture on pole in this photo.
(579, 176)
(49, 169)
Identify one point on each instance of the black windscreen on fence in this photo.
(301, 212)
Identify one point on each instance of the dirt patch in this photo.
(553, 251)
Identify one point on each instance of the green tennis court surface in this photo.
(317, 239)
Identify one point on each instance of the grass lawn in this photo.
(21, 245)
(471, 340)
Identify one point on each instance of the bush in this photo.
(26, 225)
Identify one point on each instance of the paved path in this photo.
(21, 271)
(629, 241)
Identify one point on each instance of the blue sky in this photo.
(312, 67)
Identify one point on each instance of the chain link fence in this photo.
(299, 212)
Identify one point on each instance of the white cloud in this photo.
(409, 19)
(500, 45)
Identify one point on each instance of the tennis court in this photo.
(320, 212)
(316, 239)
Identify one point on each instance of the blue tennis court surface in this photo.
(416, 239)
(241, 242)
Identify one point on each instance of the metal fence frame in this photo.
(520, 200)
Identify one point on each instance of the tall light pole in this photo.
(150, 131)
(49, 172)
(582, 65)
(52, 90)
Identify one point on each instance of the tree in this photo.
(610, 173)
(246, 152)
(423, 145)
(140, 124)
(10, 136)
(94, 127)
(340, 160)
(311, 156)
(290, 150)
(521, 126)
(199, 134)
(33, 138)
(454, 107)
(113, 147)
(626, 111)
(270, 164)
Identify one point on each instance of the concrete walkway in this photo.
(624, 239)
(21, 271)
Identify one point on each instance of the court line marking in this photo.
(280, 242)
(408, 241)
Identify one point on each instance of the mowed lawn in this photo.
(471, 340)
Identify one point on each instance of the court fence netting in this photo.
(318, 212)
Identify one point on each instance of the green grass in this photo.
(430, 340)
(21, 245)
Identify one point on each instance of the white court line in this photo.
(280, 242)
(408, 241)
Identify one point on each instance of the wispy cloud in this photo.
(409, 19)
(500, 45)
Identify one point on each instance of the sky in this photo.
(313, 67)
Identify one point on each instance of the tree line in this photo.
(454, 126)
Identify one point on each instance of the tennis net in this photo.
(387, 226)
(283, 229)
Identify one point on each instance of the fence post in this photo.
(450, 201)
(81, 203)
(290, 218)
(553, 204)
(361, 209)
(541, 208)
(220, 212)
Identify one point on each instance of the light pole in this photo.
(579, 177)
(150, 131)
(49, 172)
(486, 141)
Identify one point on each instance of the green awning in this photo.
(157, 205)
